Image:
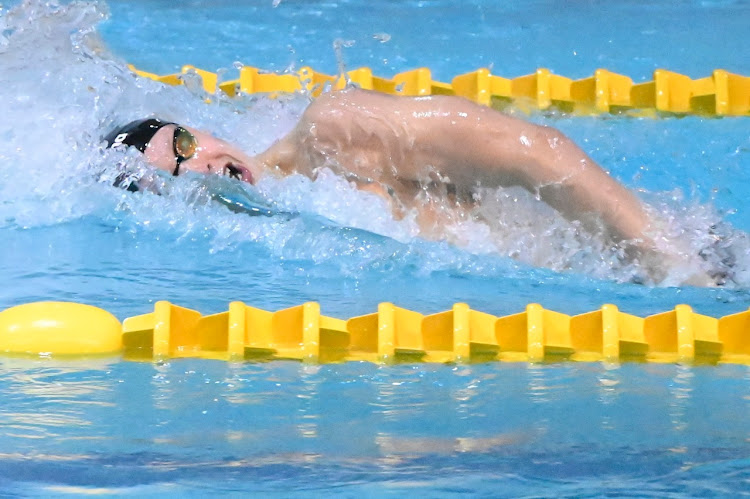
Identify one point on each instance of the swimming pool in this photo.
(193, 426)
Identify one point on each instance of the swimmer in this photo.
(401, 148)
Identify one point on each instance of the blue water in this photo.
(200, 427)
(514, 38)
(204, 428)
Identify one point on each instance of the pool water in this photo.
(193, 427)
(204, 428)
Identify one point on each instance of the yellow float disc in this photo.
(59, 328)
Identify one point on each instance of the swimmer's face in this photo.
(178, 149)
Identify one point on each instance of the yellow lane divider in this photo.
(391, 334)
(720, 94)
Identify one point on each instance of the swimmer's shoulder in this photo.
(341, 109)
(354, 99)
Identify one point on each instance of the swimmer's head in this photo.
(177, 149)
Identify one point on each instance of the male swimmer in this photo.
(402, 148)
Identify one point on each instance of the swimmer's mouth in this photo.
(239, 172)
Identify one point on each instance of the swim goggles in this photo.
(139, 133)
(184, 145)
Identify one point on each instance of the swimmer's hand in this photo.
(674, 266)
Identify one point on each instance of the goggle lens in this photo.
(185, 143)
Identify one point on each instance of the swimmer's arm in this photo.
(564, 177)
(482, 146)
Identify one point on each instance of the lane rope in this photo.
(720, 94)
(389, 335)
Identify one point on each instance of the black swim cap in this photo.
(137, 134)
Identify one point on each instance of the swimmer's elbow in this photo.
(549, 144)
